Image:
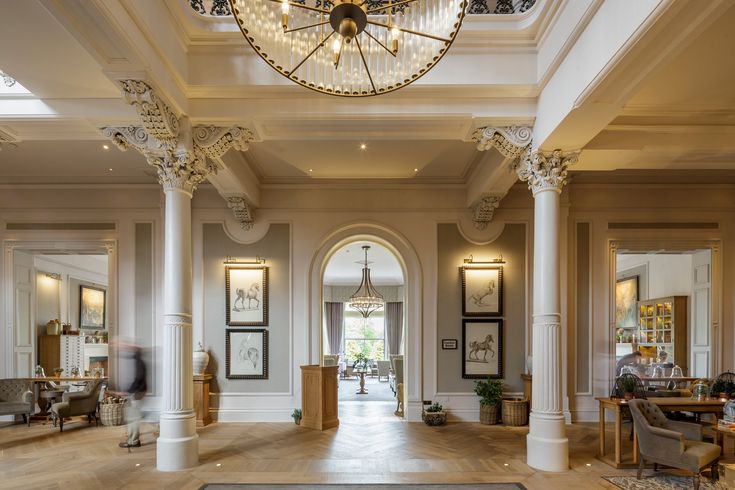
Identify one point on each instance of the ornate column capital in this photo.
(482, 212)
(545, 171)
(510, 141)
(183, 156)
(242, 210)
(157, 118)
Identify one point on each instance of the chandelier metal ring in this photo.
(396, 42)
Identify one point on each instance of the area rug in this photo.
(663, 482)
(343, 486)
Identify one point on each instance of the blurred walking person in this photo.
(133, 371)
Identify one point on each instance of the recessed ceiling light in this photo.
(415, 170)
(105, 147)
(363, 146)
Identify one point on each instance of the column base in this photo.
(547, 446)
(177, 448)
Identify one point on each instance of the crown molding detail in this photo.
(545, 171)
(183, 155)
(510, 141)
(242, 211)
(482, 212)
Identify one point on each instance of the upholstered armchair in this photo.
(78, 403)
(16, 398)
(671, 443)
(383, 369)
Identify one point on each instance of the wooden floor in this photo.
(370, 446)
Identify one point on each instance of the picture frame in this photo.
(449, 344)
(246, 353)
(246, 295)
(626, 302)
(92, 307)
(482, 290)
(482, 348)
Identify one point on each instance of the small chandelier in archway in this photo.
(366, 299)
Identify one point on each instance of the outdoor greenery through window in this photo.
(366, 335)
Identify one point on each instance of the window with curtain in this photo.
(366, 335)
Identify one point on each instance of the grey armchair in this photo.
(383, 369)
(16, 398)
(78, 403)
(671, 443)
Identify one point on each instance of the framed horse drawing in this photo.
(482, 291)
(246, 295)
(482, 349)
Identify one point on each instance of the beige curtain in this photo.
(394, 326)
(334, 313)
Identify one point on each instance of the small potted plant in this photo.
(723, 388)
(628, 386)
(435, 415)
(296, 416)
(361, 361)
(58, 371)
(491, 393)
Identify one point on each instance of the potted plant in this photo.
(296, 416)
(491, 394)
(627, 384)
(361, 361)
(723, 388)
(435, 415)
(58, 371)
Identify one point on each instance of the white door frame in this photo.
(107, 247)
(413, 331)
(642, 245)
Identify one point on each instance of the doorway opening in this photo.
(663, 327)
(368, 349)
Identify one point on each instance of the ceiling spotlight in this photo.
(105, 147)
(415, 170)
(363, 146)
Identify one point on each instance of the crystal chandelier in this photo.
(366, 299)
(350, 48)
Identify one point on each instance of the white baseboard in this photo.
(251, 415)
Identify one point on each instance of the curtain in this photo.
(394, 324)
(334, 313)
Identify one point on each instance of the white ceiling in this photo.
(345, 266)
(87, 263)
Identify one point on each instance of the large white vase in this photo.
(200, 360)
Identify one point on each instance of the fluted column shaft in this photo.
(178, 442)
(547, 446)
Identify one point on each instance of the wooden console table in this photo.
(201, 399)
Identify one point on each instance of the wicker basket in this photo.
(489, 414)
(515, 411)
(111, 414)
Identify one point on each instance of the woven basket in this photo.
(111, 414)
(515, 411)
(489, 414)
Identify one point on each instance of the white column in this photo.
(547, 444)
(178, 444)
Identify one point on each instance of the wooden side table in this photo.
(201, 399)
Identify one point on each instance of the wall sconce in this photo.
(231, 261)
(471, 261)
(53, 275)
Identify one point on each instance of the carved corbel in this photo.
(545, 171)
(243, 212)
(510, 141)
(157, 118)
(215, 141)
(483, 211)
(7, 139)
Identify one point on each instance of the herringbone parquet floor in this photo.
(370, 446)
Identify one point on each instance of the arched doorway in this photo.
(411, 271)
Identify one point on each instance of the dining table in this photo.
(666, 404)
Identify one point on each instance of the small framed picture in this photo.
(482, 291)
(92, 306)
(449, 344)
(246, 295)
(482, 349)
(246, 353)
